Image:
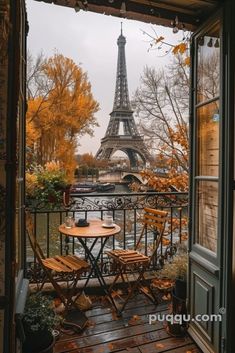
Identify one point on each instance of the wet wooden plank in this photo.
(109, 343)
(130, 333)
(116, 323)
(101, 309)
(165, 345)
(130, 350)
(111, 316)
(191, 348)
(109, 336)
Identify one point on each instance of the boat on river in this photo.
(102, 187)
(85, 188)
(82, 188)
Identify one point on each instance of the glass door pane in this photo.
(208, 64)
(207, 137)
(208, 140)
(207, 214)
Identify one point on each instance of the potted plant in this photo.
(39, 319)
(176, 270)
(45, 185)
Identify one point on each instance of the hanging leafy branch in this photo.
(158, 42)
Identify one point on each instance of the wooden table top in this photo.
(94, 230)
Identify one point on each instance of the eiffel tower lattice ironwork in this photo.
(129, 141)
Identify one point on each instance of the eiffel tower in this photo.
(130, 141)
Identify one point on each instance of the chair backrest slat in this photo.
(154, 220)
(32, 239)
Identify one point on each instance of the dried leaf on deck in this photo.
(145, 289)
(159, 345)
(72, 345)
(117, 293)
(57, 302)
(111, 346)
(134, 320)
(114, 315)
(91, 323)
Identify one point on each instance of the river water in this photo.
(52, 242)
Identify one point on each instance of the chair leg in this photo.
(133, 288)
(66, 300)
(152, 296)
(70, 301)
(115, 280)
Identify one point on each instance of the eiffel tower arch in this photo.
(128, 140)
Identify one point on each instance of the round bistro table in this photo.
(94, 231)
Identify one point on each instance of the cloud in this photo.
(90, 40)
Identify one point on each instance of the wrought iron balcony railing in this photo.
(126, 209)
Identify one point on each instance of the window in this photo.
(207, 137)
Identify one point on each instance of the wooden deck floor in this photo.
(131, 333)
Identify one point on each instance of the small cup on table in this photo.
(69, 222)
(108, 220)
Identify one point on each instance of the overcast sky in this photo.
(91, 41)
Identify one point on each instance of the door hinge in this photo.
(223, 343)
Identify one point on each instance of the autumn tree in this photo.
(61, 108)
(90, 161)
(162, 107)
(164, 120)
(162, 102)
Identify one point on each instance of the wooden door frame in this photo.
(199, 256)
(227, 184)
(228, 289)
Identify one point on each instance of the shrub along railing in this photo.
(126, 209)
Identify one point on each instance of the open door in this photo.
(205, 250)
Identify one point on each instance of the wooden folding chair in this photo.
(130, 261)
(65, 268)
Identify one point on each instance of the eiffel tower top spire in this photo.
(121, 99)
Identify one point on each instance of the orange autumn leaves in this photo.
(62, 110)
(174, 156)
(182, 49)
(179, 49)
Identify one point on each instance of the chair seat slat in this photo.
(137, 260)
(78, 260)
(55, 265)
(66, 261)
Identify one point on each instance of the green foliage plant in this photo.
(45, 185)
(39, 314)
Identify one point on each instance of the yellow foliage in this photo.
(31, 182)
(187, 61)
(52, 166)
(174, 156)
(180, 48)
(62, 112)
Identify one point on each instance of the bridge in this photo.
(120, 176)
